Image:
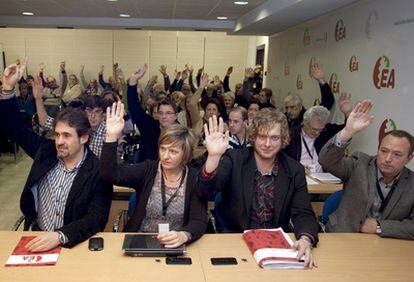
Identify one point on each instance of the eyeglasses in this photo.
(315, 130)
(165, 113)
(91, 112)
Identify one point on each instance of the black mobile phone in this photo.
(175, 260)
(223, 261)
(96, 244)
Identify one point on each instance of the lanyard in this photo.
(165, 204)
(307, 148)
(384, 201)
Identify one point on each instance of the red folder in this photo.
(272, 249)
(22, 257)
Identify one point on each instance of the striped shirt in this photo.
(51, 194)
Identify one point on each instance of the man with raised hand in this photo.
(260, 186)
(64, 193)
(378, 190)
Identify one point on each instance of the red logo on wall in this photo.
(287, 69)
(312, 61)
(384, 75)
(306, 38)
(340, 30)
(386, 126)
(299, 83)
(353, 64)
(334, 83)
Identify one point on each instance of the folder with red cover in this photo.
(22, 257)
(272, 249)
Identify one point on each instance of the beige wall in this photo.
(130, 48)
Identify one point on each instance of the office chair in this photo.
(124, 215)
(331, 204)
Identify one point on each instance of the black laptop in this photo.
(147, 245)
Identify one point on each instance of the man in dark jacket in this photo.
(261, 187)
(64, 193)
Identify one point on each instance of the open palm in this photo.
(360, 117)
(115, 119)
(217, 140)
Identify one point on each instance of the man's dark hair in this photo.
(268, 92)
(95, 101)
(402, 134)
(76, 118)
(168, 102)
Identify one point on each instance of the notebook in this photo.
(148, 245)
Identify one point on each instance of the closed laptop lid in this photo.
(146, 244)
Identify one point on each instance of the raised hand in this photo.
(317, 73)
(137, 75)
(345, 104)
(217, 81)
(248, 73)
(12, 74)
(358, 120)
(204, 81)
(101, 69)
(163, 70)
(42, 67)
(189, 68)
(37, 88)
(184, 75)
(200, 70)
(114, 121)
(62, 65)
(229, 70)
(216, 139)
(177, 74)
(81, 68)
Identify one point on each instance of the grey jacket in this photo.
(358, 172)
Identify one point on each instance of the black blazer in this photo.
(235, 179)
(89, 200)
(294, 149)
(141, 177)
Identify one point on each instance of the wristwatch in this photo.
(61, 237)
(378, 229)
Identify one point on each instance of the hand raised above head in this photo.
(204, 80)
(37, 88)
(216, 139)
(345, 103)
(317, 72)
(12, 74)
(137, 75)
(114, 121)
(358, 120)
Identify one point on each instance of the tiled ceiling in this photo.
(160, 9)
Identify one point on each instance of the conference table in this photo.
(340, 257)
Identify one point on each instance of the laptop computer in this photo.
(147, 245)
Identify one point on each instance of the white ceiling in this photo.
(259, 17)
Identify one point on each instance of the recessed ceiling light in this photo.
(222, 18)
(125, 15)
(112, 0)
(241, 2)
(27, 13)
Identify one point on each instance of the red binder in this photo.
(22, 257)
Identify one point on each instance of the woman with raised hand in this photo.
(166, 188)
